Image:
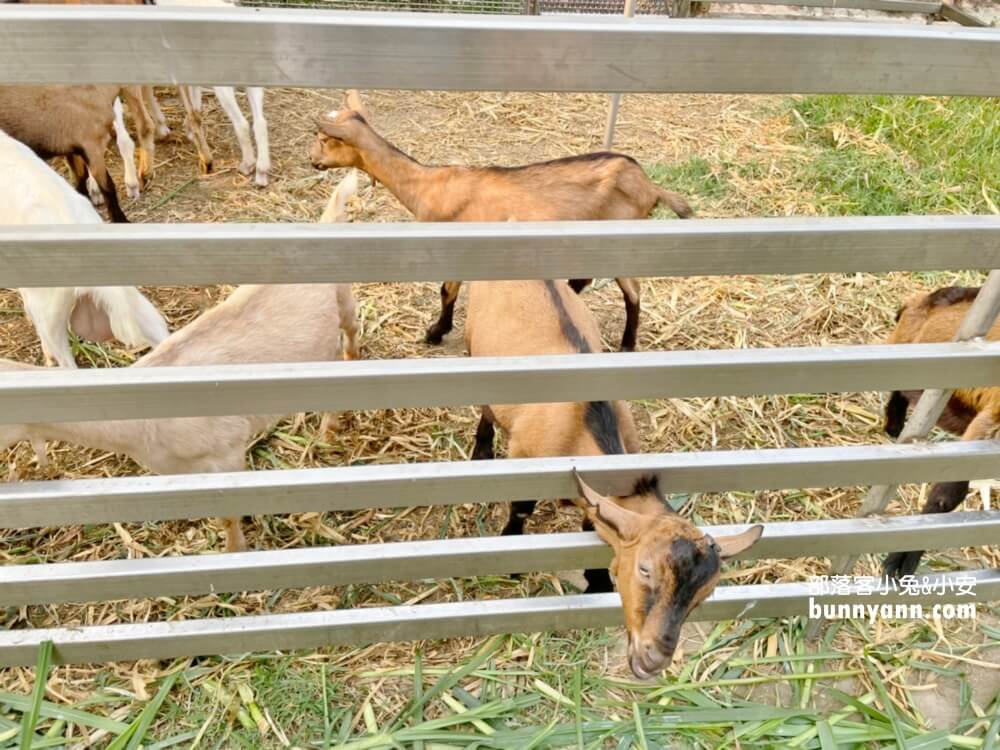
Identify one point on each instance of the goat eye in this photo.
(644, 570)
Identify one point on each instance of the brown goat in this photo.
(973, 413)
(71, 121)
(663, 565)
(591, 186)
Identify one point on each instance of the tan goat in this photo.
(663, 565)
(256, 324)
(973, 413)
(591, 186)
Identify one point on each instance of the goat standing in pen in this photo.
(71, 121)
(663, 565)
(973, 413)
(255, 324)
(32, 193)
(592, 186)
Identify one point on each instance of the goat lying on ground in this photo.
(664, 566)
(973, 413)
(32, 193)
(256, 324)
(591, 186)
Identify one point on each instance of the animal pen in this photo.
(462, 52)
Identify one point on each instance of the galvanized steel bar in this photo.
(22, 585)
(56, 503)
(310, 630)
(54, 395)
(287, 47)
(194, 254)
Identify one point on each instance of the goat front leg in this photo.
(126, 147)
(485, 433)
(235, 541)
(630, 292)
(944, 497)
(194, 128)
(255, 95)
(226, 96)
(348, 321)
(94, 157)
(444, 324)
(49, 311)
(145, 129)
(153, 107)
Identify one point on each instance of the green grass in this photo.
(899, 155)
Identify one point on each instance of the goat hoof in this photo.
(434, 336)
(262, 178)
(900, 564)
(162, 133)
(133, 192)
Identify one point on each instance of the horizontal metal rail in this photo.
(452, 558)
(178, 254)
(271, 47)
(60, 502)
(894, 6)
(310, 630)
(133, 393)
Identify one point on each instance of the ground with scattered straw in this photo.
(737, 684)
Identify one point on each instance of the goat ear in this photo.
(353, 101)
(622, 524)
(730, 546)
(331, 129)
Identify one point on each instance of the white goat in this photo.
(256, 324)
(32, 193)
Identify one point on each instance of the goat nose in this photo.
(651, 654)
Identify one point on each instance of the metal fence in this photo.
(309, 48)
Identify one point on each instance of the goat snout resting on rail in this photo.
(972, 413)
(587, 187)
(32, 193)
(664, 566)
(256, 324)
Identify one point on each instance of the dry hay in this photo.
(687, 313)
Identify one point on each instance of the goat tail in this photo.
(132, 318)
(676, 203)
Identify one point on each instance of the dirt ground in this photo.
(508, 129)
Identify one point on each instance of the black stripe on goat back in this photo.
(566, 323)
(951, 295)
(603, 425)
(578, 159)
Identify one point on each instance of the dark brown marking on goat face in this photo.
(663, 565)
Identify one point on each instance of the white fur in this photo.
(256, 324)
(32, 193)
(126, 147)
(226, 96)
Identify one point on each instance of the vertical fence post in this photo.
(616, 99)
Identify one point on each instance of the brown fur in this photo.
(935, 318)
(973, 413)
(71, 121)
(523, 318)
(592, 186)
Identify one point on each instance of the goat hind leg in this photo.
(630, 292)
(95, 163)
(255, 95)
(194, 128)
(445, 322)
(226, 96)
(126, 147)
